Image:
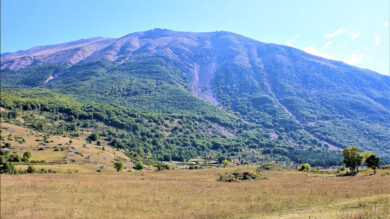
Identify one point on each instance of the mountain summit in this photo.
(297, 98)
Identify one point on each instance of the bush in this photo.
(195, 167)
(8, 168)
(31, 169)
(93, 137)
(118, 165)
(139, 166)
(162, 167)
(268, 166)
(225, 163)
(27, 155)
(237, 176)
(341, 169)
(304, 167)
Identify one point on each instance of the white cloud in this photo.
(337, 32)
(327, 44)
(354, 59)
(355, 34)
(312, 50)
(377, 40)
(290, 41)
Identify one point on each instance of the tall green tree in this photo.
(352, 158)
(373, 162)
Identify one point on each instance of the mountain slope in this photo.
(297, 98)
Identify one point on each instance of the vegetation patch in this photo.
(239, 176)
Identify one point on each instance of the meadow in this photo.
(195, 194)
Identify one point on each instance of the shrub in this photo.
(27, 155)
(43, 170)
(267, 166)
(93, 137)
(8, 168)
(139, 166)
(31, 169)
(162, 167)
(7, 145)
(304, 167)
(238, 176)
(118, 165)
(341, 169)
(194, 167)
(225, 163)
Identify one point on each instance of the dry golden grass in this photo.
(86, 159)
(193, 194)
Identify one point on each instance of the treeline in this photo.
(162, 137)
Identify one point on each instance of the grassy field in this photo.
(194, 194)
(74, 154)
(78, 191)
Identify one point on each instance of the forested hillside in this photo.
(176, 95)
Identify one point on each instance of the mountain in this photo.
(252, 93)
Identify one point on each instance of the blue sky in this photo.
(353, 31)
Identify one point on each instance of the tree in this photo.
(373, 162)
(26, 155)
(304, 167)
(366, 154)
(118, 165)
(7, 167)
(352, 158)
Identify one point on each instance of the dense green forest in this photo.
(160, 136)
(143, 105)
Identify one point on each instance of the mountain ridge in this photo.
(283, 90)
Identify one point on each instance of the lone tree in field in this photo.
(352, 158)
(118, 165)
(373, 162)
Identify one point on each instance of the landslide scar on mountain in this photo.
(202, 77)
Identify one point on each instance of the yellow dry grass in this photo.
(86, 156)
(193, 194)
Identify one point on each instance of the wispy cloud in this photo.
(290, 41)
(337, 32)
(354, 59)
(377, 40)
(355, 34)
(327, 44)
(312, 50)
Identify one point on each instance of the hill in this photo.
(61, 154)
(273, 101)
